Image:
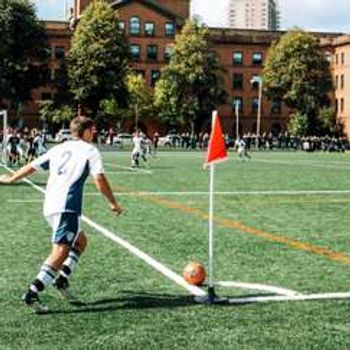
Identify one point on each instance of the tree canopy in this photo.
(190, 86)
(22, 47)
(98, 60)
(140, 101)
(297, 72)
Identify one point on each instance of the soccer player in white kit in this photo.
(138, 150)
(241, 148)
(69, 165)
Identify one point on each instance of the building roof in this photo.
(154, 6)
(257, 36)
(57, 28)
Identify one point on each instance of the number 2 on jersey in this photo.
(66, 156)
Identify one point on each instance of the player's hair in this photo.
(79, 124)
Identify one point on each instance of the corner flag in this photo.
(216, 149)
(216, 153)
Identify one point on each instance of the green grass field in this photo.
(270, 228)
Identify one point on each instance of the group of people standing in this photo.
(23, 146)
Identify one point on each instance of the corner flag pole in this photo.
(211, 292)
(216, 153)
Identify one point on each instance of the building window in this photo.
(121, 26)
(336, 106)
(46, 96)
(48, 53)
(342, 81)
(155, 75)
(237, 81)
(168, 50)
(342, 105)
(239, 100)
(59, 52)
(276, 107)
(135, 26)
(237, 58)
(336, 82)
(257, 58)
(255, 104)
(149, 29)
(255, 81)
(342, 58)
(139, 72)
(336, 58)
(46, 76)
(134, 51)
(152, 52)
(59, 75)
(169, 29)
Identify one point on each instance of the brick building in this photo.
(341, 76)
(150, 27)
(59, 41)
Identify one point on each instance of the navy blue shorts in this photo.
(65, 227)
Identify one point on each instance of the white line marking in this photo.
(300, 297)
(303, 163)
(144, 171)
(24, 200)
(143, 256)
(124, 172)
(257, 286)
(140, 254)
(227, 193)
(171, 154)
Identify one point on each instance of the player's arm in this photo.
(18, 175)
(103, 186)
(41, 163)
(101, 182)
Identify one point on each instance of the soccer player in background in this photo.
(69, 165)
(13, 148)
(138, 150)
(30, 151)
(241, 147)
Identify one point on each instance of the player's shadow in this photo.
(129, 300)
(144, 300)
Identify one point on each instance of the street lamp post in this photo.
(258, 80)
(237, 107)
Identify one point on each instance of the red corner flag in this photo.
(216, 149)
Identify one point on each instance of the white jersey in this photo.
(69, 164)
(240, 144)
(138, 144)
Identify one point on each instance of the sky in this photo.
(316, 15)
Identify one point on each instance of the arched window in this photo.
(135, 26)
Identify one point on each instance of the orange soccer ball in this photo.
(194, 273)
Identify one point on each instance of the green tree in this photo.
(98, 59)
(140, 101)
(297, 73)
(22, 46)
(54, 114)
(191, 85)
(298, 124)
